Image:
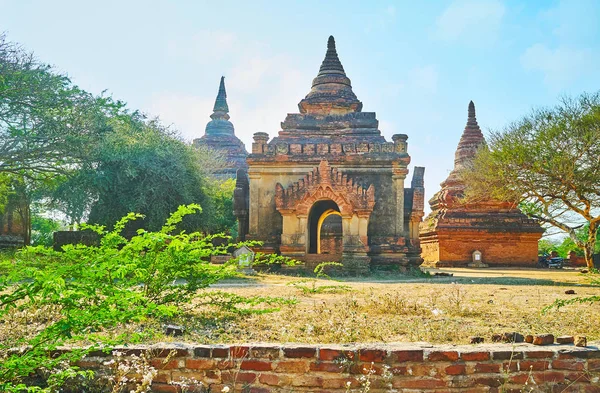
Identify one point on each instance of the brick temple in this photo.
(220, 136)
(329, 187)
(454, 230)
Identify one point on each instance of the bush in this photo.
(73, 295)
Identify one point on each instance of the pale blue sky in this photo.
(417, 64)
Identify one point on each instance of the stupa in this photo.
(220, 136)
(455, 230)
(329, 187)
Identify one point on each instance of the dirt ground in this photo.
(396, 308)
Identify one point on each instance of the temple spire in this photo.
(470, 141)
(221, 109)
(331, 91)
(331, 63)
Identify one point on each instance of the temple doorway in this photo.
(325, 228)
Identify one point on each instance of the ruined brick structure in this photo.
(330, 187)
(454, 229)
(419, 367)
(220, 136)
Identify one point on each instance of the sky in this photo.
(416, 64)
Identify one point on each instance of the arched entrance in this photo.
(325, 228)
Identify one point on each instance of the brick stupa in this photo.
(329, 187)
(454, 230)
(220, 136)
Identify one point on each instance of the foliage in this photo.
(547, 162)
(313, 288)
(42, 230)
(47, 125)
(86, 289)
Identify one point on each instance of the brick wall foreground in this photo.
(263, 368)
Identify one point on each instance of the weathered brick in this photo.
(548, 376)
(200, 364)
(257, 365)
(202, 351)
(329, 367)
(421, 383)
(487, 368)
(164, 388)
(172, 353)
(568, 365)
(273, 379)
(372, 355)
(340, 383)
(415, 355)
(220, 352)
(507, 355)
(494, 381)
(259, 390)
(160, 364)
(539, 365)
(543, 339)
(436, 356)
(265, 352)
(475, 356)
(238, 352)
(456, 369)
(299, 352)
(292, 366)
(539, 354)
(335, 354)
(307, 381)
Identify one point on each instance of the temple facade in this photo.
(455, 232)
(220, 136)
(329, 187)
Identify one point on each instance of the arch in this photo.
(319, 211)
(322, 219)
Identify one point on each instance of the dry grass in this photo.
(436, 310)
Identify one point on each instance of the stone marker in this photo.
(543, 339)
(565, 340)
(476, 340)
(580, 341)
(570, 292)
(529, 338)
(245, 258)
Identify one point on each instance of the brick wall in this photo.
(260, 368)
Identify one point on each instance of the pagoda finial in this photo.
(471, 110)
(331, 63)
(221, 102)
(331, 43)
(471, 119)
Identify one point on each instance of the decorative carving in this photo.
(325, 182)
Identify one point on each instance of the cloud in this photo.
(559, 66)
(474, 21)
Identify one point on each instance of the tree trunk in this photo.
(590, 245)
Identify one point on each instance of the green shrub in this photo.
(85, 289)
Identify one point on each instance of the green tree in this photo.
(143, 166)
(47, 125)
(548, 162)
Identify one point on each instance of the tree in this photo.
(548, 162)
(47, 125)
(143, 166)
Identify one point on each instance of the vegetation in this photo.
(548, 162)
(89, 158)
(50, 298)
